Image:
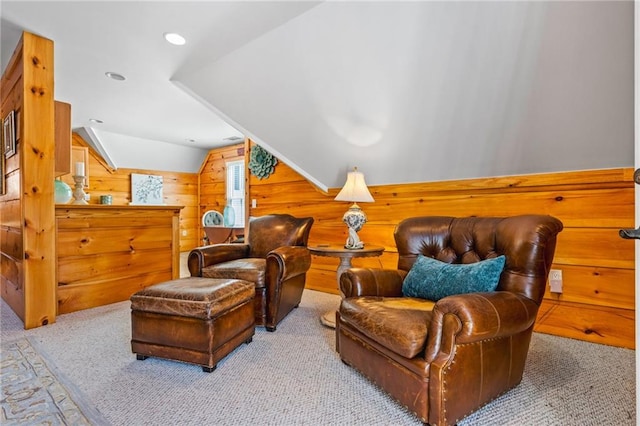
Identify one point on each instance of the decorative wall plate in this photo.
(261, 163)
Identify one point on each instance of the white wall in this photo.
(137, 153)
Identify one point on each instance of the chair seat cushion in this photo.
(248, 269)
(194, 297)
(398, 323)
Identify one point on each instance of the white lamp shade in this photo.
(355, 189)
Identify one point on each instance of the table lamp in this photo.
(354, 190)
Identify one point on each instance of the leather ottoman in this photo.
(194, 320)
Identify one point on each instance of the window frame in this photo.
(235, 190)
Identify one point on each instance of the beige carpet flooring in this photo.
(295, 377)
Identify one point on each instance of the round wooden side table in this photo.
(345, 255)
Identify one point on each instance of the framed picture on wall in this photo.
(146, 189)
(9, 135)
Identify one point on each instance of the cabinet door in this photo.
(62, 138)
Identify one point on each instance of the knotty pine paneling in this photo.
(106, 253)
(596, 324)
(37, 140)
(11, 293)
(103, 292)
(12, 215)
(607, 287)
(12, 182)
(91, 241)
(113, 266)
(595, 247)
(11, 271)
(178, 189)
(11, 243)
(598, 302)
(26, 211)
(11, 219)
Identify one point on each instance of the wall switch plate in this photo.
(254, 203)
(555, 280)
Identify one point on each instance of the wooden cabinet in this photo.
(62, 138)
(107, 253)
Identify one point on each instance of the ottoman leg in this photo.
(208, 369)
(141, 357)
(249, 340)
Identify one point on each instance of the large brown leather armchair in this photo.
(446, 359)
(275, 258)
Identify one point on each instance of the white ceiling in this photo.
(406, 91)
(147, 109)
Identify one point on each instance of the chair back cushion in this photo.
(277, 230)
(431, 279)
(527, 242)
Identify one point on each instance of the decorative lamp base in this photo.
(355, 220)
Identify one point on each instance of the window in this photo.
(235, 190)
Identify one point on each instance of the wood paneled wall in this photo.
(27, 226)
(597, 303)
(179, 189)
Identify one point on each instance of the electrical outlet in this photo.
(555, 280)
(184, 233)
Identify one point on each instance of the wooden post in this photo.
(37, 165)
(28, 262)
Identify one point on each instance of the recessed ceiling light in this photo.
(115, 76)
(95, 120)
(175, 38)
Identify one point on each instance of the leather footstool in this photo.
(194, 320)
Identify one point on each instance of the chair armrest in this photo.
(372, 282)
(288, 261)
(201, 257)
(478, 316)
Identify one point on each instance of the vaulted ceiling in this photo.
(406, 91)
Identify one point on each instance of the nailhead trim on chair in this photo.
(489, 401)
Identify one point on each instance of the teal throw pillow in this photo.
(431, 279)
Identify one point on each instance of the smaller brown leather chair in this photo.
(275, 257)
(444, 359)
